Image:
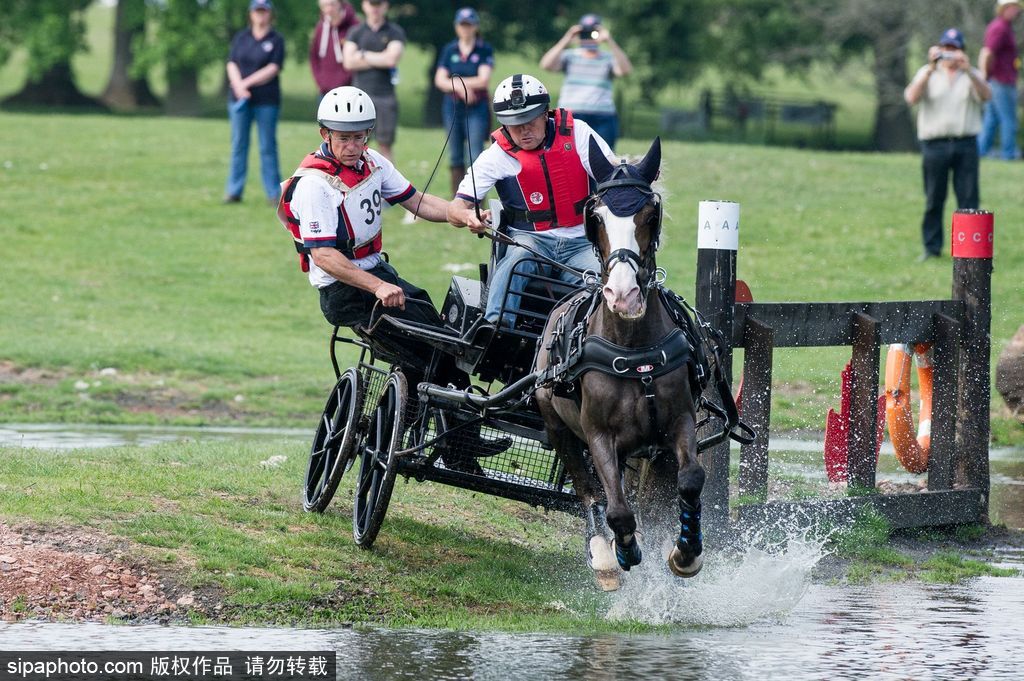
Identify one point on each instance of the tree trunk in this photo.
(55, 88)
(183, 92)
(893, 130)
(1010, 374)
(123, 91)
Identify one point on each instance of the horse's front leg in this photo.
(686, 558)
(618, 514)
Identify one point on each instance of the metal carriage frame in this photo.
(371, 419)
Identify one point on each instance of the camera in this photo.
(947, 54)
(591, 32)
(517, 99)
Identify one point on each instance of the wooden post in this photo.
(973, 235)
(717, 242)
(861, 461)
(758, 343)
(944, 395)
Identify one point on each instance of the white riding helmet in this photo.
(346, 109)
(519, 99)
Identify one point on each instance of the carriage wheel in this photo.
(378, 465)
(331, 453)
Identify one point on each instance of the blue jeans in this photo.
(241, 118)
(475, 117)
(1000, 112)
(605, 125)
(575, 252)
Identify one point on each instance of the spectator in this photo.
(372, 53)
(998, 63)
(587, 89)
(950, 93)
(466, 111)
(254, 62)
(337, 17)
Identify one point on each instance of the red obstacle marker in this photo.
(837, 432)
(743, 295)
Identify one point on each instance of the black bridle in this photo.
(643, 263)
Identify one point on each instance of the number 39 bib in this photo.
(361, 209)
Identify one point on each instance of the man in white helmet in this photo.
(540, 166)
(332, 207)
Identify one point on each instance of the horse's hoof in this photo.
(628, 555)
(602, 561)
(680, 568)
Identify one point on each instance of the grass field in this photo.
(121, 256)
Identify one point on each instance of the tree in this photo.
(52, 32)
(127, 89)
(668, 42)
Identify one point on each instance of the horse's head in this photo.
(623, 219)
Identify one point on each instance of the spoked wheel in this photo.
(378, 465)
(332, 449)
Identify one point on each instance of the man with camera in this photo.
(587, 89)
(950, 93)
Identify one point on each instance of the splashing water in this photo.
(763, 576)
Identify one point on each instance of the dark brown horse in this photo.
(630, 389)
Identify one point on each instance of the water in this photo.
(83, 436)
(749, 615)
(878, 631)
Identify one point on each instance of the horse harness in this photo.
(573, 352)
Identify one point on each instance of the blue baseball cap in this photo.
(590, 21)
(467, 15)
(261, 4)
(952, 38)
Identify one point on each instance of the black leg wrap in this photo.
(628, 555)
(691, 539)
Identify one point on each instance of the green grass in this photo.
(224, 524)
(120, 255)
(950, 568)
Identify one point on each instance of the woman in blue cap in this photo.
(256, 57)
(473, 59)
(587, 89)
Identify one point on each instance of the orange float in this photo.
(911, 450)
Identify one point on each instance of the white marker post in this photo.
(718, 238)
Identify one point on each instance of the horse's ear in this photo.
(651, 164)
(599, 164)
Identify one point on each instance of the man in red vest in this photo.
(540, 166)
(332, 207)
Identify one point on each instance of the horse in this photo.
(626, 385)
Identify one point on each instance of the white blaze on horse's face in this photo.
(621, 292)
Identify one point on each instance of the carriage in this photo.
(371, 424)
(378, 425)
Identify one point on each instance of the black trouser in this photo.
(345, 305)
(938, 158)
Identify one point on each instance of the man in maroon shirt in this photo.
(325, 47)
(999, 64)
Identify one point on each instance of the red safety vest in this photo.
(350, 178)
(554, 183)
